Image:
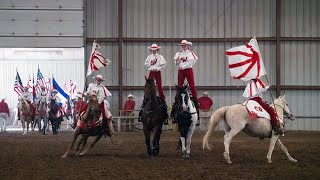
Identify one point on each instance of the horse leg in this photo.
(273, 141)
(189, 136)
(156, 139)
(91, 145)
(285, 150)
(75, 136)
(227, 140)
(82, 144)
(147, 133)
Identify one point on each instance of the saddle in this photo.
(255, 110)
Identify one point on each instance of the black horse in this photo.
(55, 116)
(152, 118)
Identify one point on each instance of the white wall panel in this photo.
(300, 18)
(102, 18)
(44, 23)
(64, 64)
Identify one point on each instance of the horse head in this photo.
(53, 106)
(149, 88)
(23, 105)
(93, 105)
(183, 97)
(282, 103)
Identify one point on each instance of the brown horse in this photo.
(25, 114)
(90, 124)
(152, 118)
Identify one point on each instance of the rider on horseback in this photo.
(80, 104)
(155, 63)
(102, 93)
(254, 91)
(27, 96)
(42, 95)
(185, 59)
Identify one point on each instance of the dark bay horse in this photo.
(152, 118)
(90, 123)
(55, 116)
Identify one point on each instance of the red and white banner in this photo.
(73, 87)
(96, 61)
(245, 62)
(254, 88)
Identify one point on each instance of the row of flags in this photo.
(96, 61)
(35, 88)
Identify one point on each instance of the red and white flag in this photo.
(73, 87)
(30, 85)
(96, 61)
(245, 62)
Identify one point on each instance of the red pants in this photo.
(157, 75)
(271, 111)
(187, 73)
(101, 105)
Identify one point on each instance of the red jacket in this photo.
(205, 103)
(129, 105)
(4, 108)
(83, 107)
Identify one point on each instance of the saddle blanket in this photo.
(255, 110)
(82, 124)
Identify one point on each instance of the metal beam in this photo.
(278, 34)
(220, 87)
(120, 44)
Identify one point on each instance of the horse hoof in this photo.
(294, 160)
(64, 156)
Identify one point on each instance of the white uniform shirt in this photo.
(255, 89)
(42, 95)
(26, 96)
(102, 91)
(155, 62)
(185, 59)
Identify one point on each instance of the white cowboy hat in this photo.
(205, 93)
(189, 43)
(54, 91)
(183, 43)
(130, 95)
(98, 77)
(79, 95)
(154, 47)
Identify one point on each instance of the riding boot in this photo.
(174, 111)
(196, 104)
(142, 106)
(164, 109)
(278, 130)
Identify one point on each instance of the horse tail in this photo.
(216, 117)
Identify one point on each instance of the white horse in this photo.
(42, 116)
(236, 119)
(186, 118)
(25, 114)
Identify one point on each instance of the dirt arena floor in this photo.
(35, 156)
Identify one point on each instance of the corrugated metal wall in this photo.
(44, 23)
(64, 64)
(215, 19)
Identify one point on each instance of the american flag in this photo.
(73, 87)
(96, 61)
(40, 81)
(18, 87)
